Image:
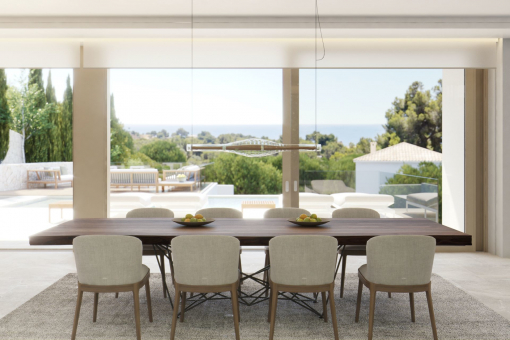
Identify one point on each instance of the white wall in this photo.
(453, 149)
(15, 152)
(501, 193)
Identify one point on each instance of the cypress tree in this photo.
(54, 136)
(50, 91)
(37, 147)
(67, 126)
(5, 116)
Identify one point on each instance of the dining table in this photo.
(159, 233)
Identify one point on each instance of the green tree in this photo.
(416, 118)
(67, 122)
(248, 175)
(50, 90)
(181, 132)
(163, 151)
(5, 116)
(37, 146)
(121, 142)
(322, 139)
(30, 120)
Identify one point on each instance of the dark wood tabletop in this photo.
(250, 232)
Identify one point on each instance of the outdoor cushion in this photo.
(66, 177)
(314, 201)
(427, 199)
(330, 186)
(357, 199)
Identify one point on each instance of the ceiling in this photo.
(256, 8)
(79, 19)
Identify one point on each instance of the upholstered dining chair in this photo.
(220, 213)
(399, 264)
(205, 264)
(110, 264)
(285, 213)
(303, 264)
(279, 213)
(148, 249)
(349, 250)
(223, 213)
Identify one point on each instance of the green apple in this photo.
(193, 219)
(203, 220)
(189, 216)
(299, 220)
(319, 219)
(183, 219)
(306, 219)
(313, 220)
(314, 216)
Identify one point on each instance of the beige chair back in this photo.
(285, 213)
(220, 213)
(205, 260)
(150, 213)
(303, 260)
(355, 213)
(400, 260)
(108, 260)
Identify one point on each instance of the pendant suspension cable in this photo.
(317, 24)
(192, 74)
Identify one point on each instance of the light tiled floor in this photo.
(24, 274)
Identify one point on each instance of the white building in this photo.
(373, 169)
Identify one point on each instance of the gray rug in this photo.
(49, 315)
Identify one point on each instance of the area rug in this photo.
(49, 315)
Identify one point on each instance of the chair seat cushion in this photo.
(363, 271)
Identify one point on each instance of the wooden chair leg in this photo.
(163, 273)
(431, 312)
(240, 270)
(270, 304)
(358, 302)
(149, 300)
(371, 313)
(183, 305)
(116, 295)
(344, 263)
(274, 302)
(333, 310)
(411, 302)
(266, 276)
(324, 307)
(389, 295)
(77, 313)
(96, 298)
(235, 309)
(136, 297)
(176, 311)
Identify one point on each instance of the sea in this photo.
(344, 133)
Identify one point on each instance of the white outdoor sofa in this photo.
(48, 176)
(187, 200)
(311, 201)
(360, 200)
(134, 178)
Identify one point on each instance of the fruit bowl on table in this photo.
(192, 224)
(310, 224)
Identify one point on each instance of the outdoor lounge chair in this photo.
(425, 200)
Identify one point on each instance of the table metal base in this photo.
(247, 299)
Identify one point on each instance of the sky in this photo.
(249, 96)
